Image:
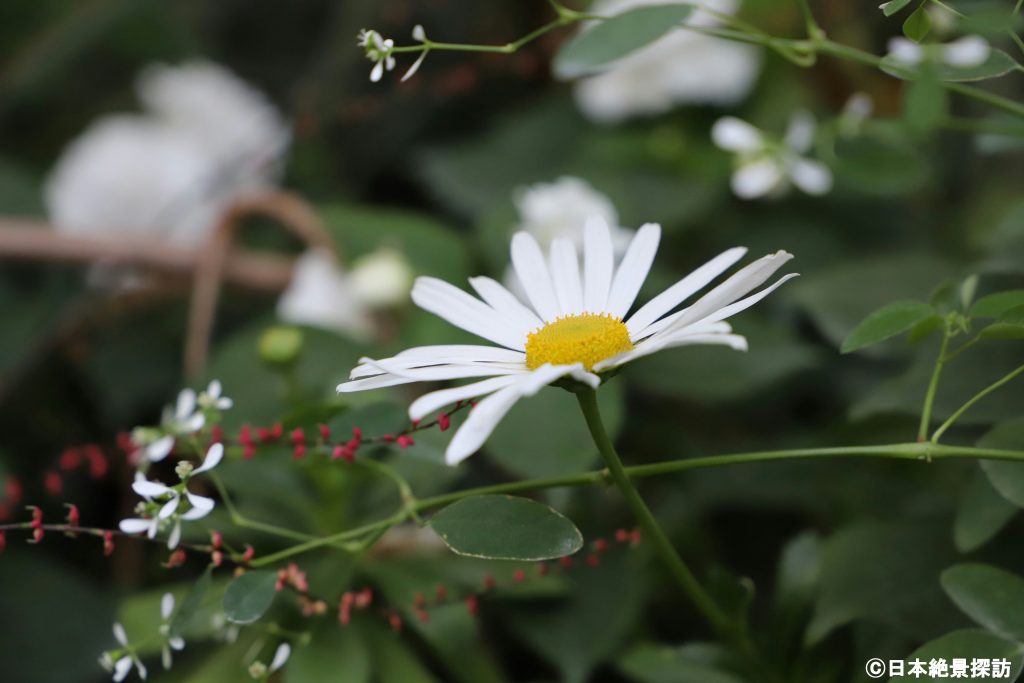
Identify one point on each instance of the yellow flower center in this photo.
(586, 338)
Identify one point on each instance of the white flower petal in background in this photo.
(321, 295)
(682, 67)
(736, 135)
(571, 342)
(905, 51)
(281, 655)
(800, 131)
(966, 52)
(757, 178)
(813, 177)
(381, 279)
(213, 457)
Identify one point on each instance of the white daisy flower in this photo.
(171, 641)
(766, 167)
(378, 51)
(964, 53)
(681, 67)
(575, 324)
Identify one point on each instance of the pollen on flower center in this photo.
(586, 338)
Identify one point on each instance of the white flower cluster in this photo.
(682, 67)
(205, 138)
(120, 662)
(381, 51)
(766, 166)
(322, 294)
(162, 506)
(189, 415)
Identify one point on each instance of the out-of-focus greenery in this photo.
(841, 560)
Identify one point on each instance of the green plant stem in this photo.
(974, 399)
(926, 452)
(933, 386)
(700, 598)
(238, 519)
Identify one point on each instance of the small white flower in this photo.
(964, 53)
(767, 167)
(575, 324)
(381, 279)
(171, 641)
(856, 111)
(561, 209)
(378, 51)
(281, 655)
(681, 67)
(322, 295)
(419, 35)
(213, 397)
(123, 666)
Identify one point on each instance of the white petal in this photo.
(756, 178)
(418, 33)
(598, 264)
(966, 52)
(736, 135)
(528, 262)
(415, 66)
(186, 404)
(141, 668)
(199, 503)
(165, 657)
(166, 606)
(135, 525)
(119, 634)
(176, 642)
(150, 489)
(905, 52)
(121, 669)
(169, 508)
(734, 341)
(813, 177)
(377, 72)
(284, 650)
(800, 133)
(565, 275)
(435, 400)
(194, 423)
(213, 457)
(175, 537)
(682, 290)
(214, 389)
(741, 282)
(743, 304)
(466, 352)
(438, 373)
(224, 403)
(506, 303)
(633, 270)
(488, 413)
(467, 312)
(160, 449)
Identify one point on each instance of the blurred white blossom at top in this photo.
(205, 138)
(682, 67)
(562, 209)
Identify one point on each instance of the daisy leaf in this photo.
(886, 322)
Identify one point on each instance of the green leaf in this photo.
(506, 528)
(886, 322)
(925, 103)
(893, 6)
(998, 64)
(249, 596)
(616, 37)
(965, 644)
(994, 305)
(882, 164)
(189, 609)
(981, 514)
(918, 24)
(671, 664)
(992, 597)
(1006, 477)
(333, 655)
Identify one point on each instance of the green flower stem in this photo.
(700, 598)
(238, 519)
(933, 386)
(974, 399)
(900, 451)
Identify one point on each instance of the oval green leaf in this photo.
(999, 63)
(1006, 476)
(893, 6)
(966, 644)
(918, 24)
(992, 597)
(506, 528)
(886, 322)
(994, 305)
(615, 37)
(249, 596)
(981, 515)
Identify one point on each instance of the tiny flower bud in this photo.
(543, 569)
(593, 560)
(565, 562)
(216, 539)
(70, 459)
(357, 434)
(489, 583)
(248, 451)
(98, 464)
(3, 540)
(276, 431)
(441, 594)
(217, 434)
(621, 535)
(423, 615)
(108, 543)
(37, 535)
(444, 422)
(257, 670)
(53, 483)
(299, 452)
(473, 605)
(245, 435)
(298, 436)
(279, 347)
(37, 516)
(249, 553)
(395, 621)
(176, 559)
(600, 545)
(405, 441)
(363, 598)
(419, 600)
(325, 432)
(216, 558)
(519, 576)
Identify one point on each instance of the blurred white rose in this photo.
(382, 279)
(682, 67)
(322, 295)
(168, 173)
